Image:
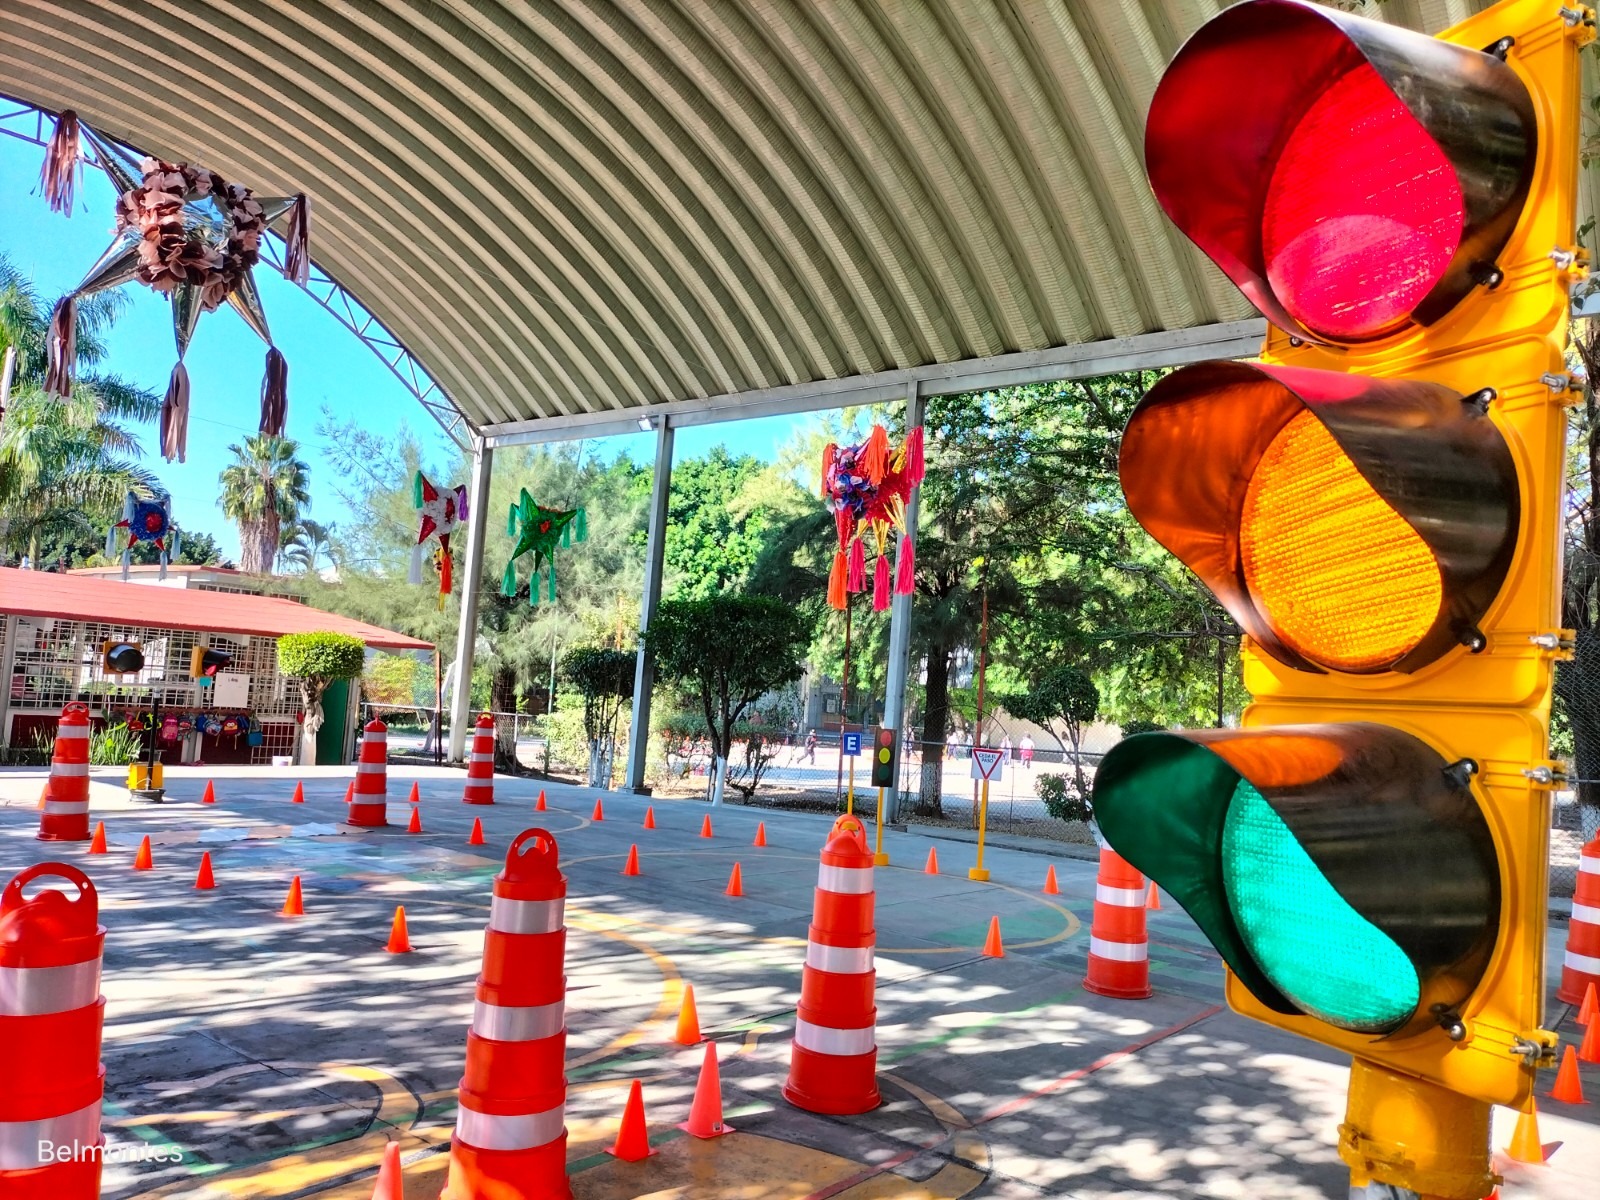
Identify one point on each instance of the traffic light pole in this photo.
(1405, 1132)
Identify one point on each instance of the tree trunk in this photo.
(720, 782)
(503, 699)
(935, 720)
(311, 702)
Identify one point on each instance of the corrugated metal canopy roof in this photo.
(573, 207)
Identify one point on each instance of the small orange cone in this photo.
(1525, 1145)
(705, 826)
(416, 793)
(205, 881)
(932, 867)
(1050, 886)
(650, 817)
(44, 794)
(735, 883)
(632, 867)
(399, 939)
(299, 796)
(1153, 900)
(293, 905)
(1589, 1007)
(705, 1114)
(1568, 1088)
(599, 813)
(688, 1020)
(991, 946)
(98, 846)
(761, 834)
(633, 1140)
(210, 796)
(540, 805)
(1589, 1051)
(349, 791)
(477, 832)
(143, 861)
(389, 1186)
(415, 824)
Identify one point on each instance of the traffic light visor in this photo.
(1348, 524)
(1342, 871)
(1350, 177)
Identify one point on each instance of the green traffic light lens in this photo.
(1315, 948)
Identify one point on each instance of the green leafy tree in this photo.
(726, 652)
(264, 489)
(315, 660)
(1061, 703)
(716, 524)
(391, 679)
(605, 680)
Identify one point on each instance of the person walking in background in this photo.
(1005, 748)
(811, 746)
(1025, 746)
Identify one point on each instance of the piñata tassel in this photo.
(844, 524)
(416, 490)
(830, 453)
(128, 510)
(414, 570)
(59, 176)
(508, 580)
(580, 532)
(297, 245)
(914, 462)
(175, 415)
(446, 574)
(111, 543)
(875, 456)
(551, 594)
(461, 504)
(175, 543)
(837, 595)
(63, 348)
(161, 573)
(880, 584)
(905, 580)
(566, 536)
(511, 523)
(533, 590)
(275, 393)
(856, 581)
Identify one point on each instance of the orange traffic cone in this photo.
(688, 1020)
(705, 826)
(1051, 888)
(98, 846)
(389, 1186)
(415, 824)
(705, 1114)
(205, 881)
(299, 796)
(599, 812)
(416, 793)
(1153, 900)
(650, 817)
(210, 796)
(992, 947)
(477, 832)
(633, 1140)
(735, 883)
(932, 867)
(399, 939)
(143, 860)
(540, 805)
(1568, 1088)
(1586, 1010)
(1589, 1051)
(1525, 1145)
(350, 791)
(44, 795)
(293, 904)
(632, 866)
(761, 834)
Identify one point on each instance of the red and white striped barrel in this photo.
(1119, 948)
(511, 1133)
(833, 1066)
(65, 816)
(51, 1017)
(480, 763)
(1581, 965)
(368, 802)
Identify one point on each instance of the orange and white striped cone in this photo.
(834, 1063)
(1119, 949)
(1581, 965)
(511, 1134)
(64, 816)
(480, 764)
(369, 801)
(51, 1017)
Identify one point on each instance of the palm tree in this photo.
(65, 465)
(263, 489)
(303, 544)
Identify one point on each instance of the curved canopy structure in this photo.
(571, 211)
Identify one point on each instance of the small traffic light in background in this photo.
(1377, 503)
(204, 663)
(121, 658)
(883, 754)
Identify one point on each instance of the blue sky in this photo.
(328, 365)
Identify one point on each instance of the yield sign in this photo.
(986, 762)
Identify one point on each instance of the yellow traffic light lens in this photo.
(1343, 579)
(1317, 950)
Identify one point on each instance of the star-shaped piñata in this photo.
(539, 529)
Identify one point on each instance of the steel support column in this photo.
(654, 561)
(471, 586)
(894, 697)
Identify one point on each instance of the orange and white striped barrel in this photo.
(480, 763)
(1581, 965)
(369, 801)
(65, 815)
(51, 1017)
(1119, 948)
(511, 1132)
(833, 1067)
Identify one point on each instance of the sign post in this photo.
(985, 766)
(884, 744)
